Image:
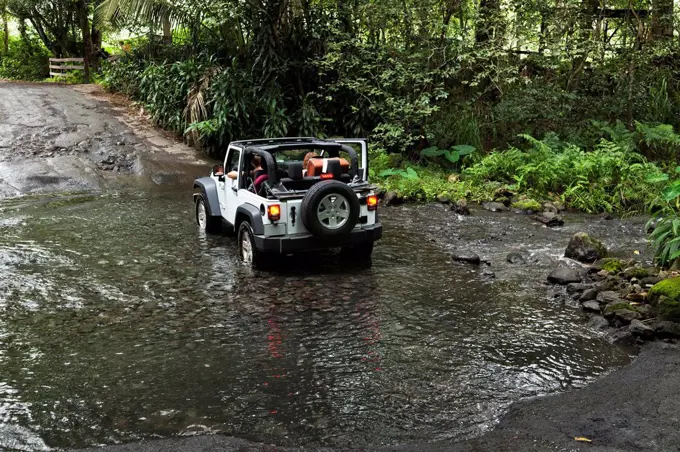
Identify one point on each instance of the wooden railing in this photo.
(60, 67)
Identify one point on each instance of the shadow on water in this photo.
(120, 321)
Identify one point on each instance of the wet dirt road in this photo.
(64, 139)
(119, 321)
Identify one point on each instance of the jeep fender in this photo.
(209, 189)
(253, 215)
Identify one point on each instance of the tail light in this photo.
(274, 212)
(372, 202)
(327, 176)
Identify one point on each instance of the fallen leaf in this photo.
(582, 439)
(636, 252)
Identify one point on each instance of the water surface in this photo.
(120, 321)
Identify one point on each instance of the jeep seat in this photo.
(316, 166)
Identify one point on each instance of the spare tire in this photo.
(330, 209)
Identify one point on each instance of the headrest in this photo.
(333, 167)
(295, 170)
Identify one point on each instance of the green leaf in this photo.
(676, 226)
(672, 192)
(452, 157)
(464, 149)
(388, 172)
(657, 178)
(411, 174)
(433, 151)
(677, 169)
(675, 255)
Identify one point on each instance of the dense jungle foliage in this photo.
(575, 100)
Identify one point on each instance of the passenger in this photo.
(305, 162)
(258, 170)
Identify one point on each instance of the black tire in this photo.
(359, 253)
(312, 201)
(211, 225)
(258, 260)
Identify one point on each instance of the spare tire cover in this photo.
(330, 209)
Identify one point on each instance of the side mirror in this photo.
(221, 178)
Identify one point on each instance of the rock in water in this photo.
(638, 328)
(443, 199)
(550, 207)
(549, 219)
(460, 207)
(466, 256)
(588, 294)
(584, 248)
(495, 207)
(392, 199)
(564, 275)
(516, 258)
(591, 306)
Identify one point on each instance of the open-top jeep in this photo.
(286, 195)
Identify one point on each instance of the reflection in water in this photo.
(120, 321)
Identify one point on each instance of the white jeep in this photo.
(304, 195)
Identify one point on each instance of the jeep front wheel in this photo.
(330, 209)
(206, 223)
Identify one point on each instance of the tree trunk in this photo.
(167, 30)
(489, 21)
(5, 29)
(587, 16)
(83, 18)
(662, 20)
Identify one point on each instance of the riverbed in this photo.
(120, 321)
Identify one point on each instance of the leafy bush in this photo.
(606, 179)
(665, 224)
(26, 60)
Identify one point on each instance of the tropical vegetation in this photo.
(575, 101)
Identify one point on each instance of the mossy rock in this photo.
(669, 288)
(585, 248)
(611, 265)
(528, 204)
(619, 306)
(669, 309)
(638, 272)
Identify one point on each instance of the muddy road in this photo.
(120, 322)
(63, 139)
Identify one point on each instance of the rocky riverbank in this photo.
(632, 301)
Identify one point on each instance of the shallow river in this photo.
(120, 321)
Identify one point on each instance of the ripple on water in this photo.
(131, 324)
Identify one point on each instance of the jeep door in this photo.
(229, 189)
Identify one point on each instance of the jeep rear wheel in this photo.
(330, 209)
(206, 223)
(250, 255)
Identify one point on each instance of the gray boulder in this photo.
(392, 199)
(588, 294)
(460, 207)
(573, 288)
(591, 306)
(564, 275)
(584, 248)
(609, 297)
(466, 256)
(516, 258)
(549, 219)
(495, 207)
